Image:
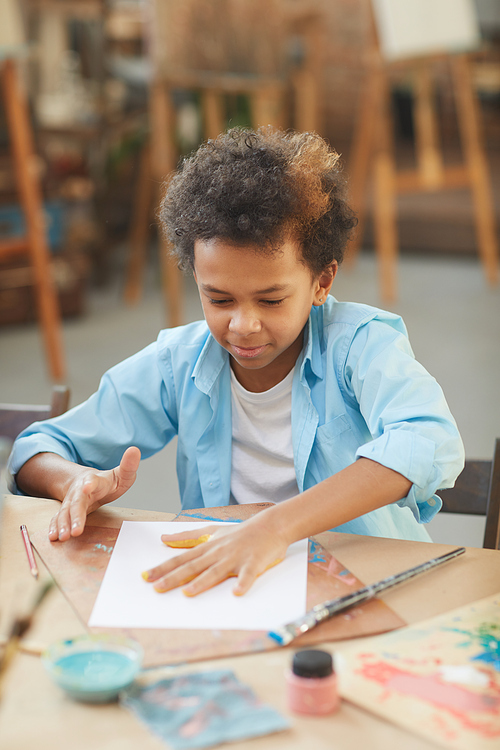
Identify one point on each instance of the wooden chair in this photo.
(477, 492)
(14, 418)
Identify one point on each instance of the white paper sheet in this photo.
(126, 600)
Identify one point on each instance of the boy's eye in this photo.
(273, 302)
(267, 302)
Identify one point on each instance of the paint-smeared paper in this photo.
(440, 678)
(202, 710)
(125, 600)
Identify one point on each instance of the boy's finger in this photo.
(178, 577)
(54, 528)
(248, 575)
(76, 508)
(129, 464)
(154, 574)
(59, 528)
(207, 580)
(78, 520)
(245, 580)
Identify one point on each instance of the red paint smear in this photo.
(334, 566)
(443, 728)
(456, 700)
(430, 688)
(338, 571)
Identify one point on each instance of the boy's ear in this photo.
(324, 283)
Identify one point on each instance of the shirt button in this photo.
(432, 501)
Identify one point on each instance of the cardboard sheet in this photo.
(439, 679)
(78, 567)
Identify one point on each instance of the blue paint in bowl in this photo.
(94, 669)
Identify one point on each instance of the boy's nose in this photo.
(244, 323)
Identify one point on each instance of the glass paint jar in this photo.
(311, 683)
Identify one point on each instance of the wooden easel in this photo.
(180, 67)
(34, 244)
(373, 159)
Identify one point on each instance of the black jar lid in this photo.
(312, 663)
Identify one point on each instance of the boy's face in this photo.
(256, 305)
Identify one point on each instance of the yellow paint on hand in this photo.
(188, 543)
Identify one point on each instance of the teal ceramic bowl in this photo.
(93, 668)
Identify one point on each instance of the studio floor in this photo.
(452, 315)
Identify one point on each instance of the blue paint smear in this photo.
(204, 517)
(316, 552)
(489, 658)
(103, 547)
(486, 637)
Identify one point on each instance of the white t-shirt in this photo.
(262, 468)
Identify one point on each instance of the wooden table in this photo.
(34, 713)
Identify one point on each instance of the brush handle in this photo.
(29, 551)
(326, 610)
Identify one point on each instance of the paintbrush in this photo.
(19, 628)
(321, 612)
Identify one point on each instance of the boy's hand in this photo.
(88, 490)
(243, 550)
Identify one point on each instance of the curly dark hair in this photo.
(260, 187)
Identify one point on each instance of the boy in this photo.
(282, 394)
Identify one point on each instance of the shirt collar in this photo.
(311, 349)
(209, 365)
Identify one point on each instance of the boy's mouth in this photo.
(248, 351)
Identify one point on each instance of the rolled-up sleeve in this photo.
(134, 405)
(413, 430)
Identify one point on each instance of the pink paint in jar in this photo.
(311, 683)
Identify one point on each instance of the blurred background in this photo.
(101, 98)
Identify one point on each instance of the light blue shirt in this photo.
(357, 391)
